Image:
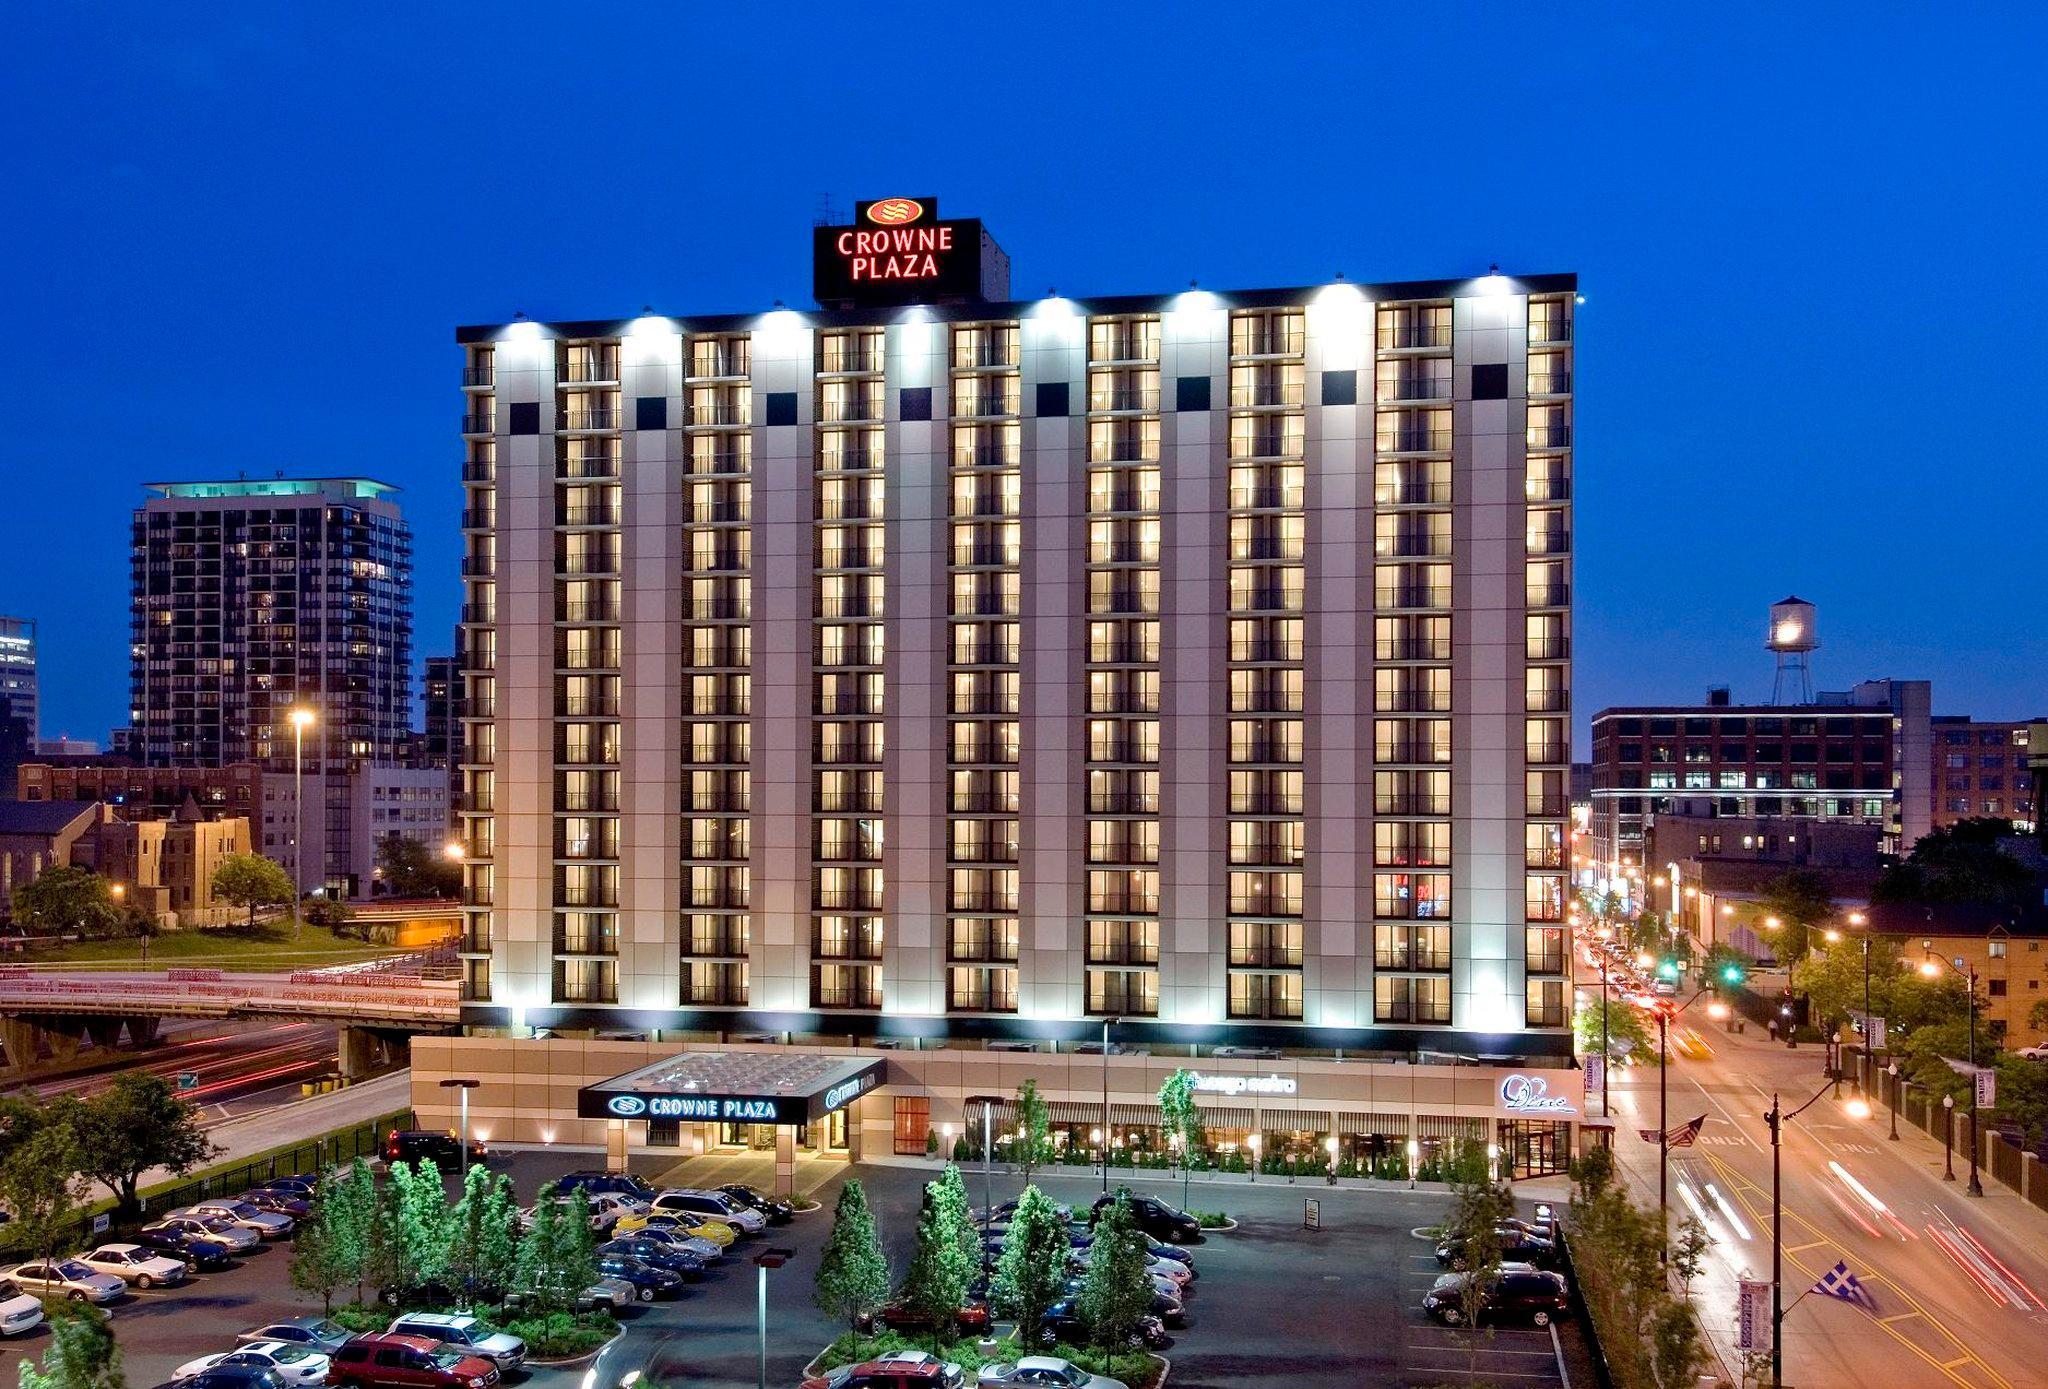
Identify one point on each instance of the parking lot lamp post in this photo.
(1776, 1117)
(1931, 970)
(1414, 1156)
(464, 1085)
(1948, 1137)
(1107, 1023)
(301, 720)
(988, 1105)
(763, 1261)
(1862, 923)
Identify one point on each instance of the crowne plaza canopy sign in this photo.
(899, 251)
(771, 1087)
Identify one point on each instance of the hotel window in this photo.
(1265, 996)
(1411, 1000)
(1546, 1003)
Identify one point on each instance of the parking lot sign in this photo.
(1311, 1213)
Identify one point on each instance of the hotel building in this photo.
(942, 670)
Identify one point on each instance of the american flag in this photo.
(1838, 1282)
(1680, 1137)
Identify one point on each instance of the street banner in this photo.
(1874, 1033)
(1753, 1315)
(1596, 1072)
(1987, 1088)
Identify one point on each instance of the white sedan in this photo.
(293, 1364)
(134, 1265)
(19, 1313)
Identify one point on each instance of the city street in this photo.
(1275, 1304)
(237, 1069)
(1957, 1282)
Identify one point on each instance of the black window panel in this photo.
(1191, 393)
(523, 417)
(1489, 380)
(778, 407)
(1340, 388)
(916, 402)
(1052, 400)
(650, 412)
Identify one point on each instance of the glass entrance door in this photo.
(1536, 1147)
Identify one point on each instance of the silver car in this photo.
(265, 1224)
(65, 1278)
(1043, 1372)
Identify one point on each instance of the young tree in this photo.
(67, 899)
(322, 1257)
(252, 881)
(423, 1230)
(1117, 1290)
(1799, 899)
(954, 1191)
(579, 1242)
(1034, 1122)
(353, 1205)
(1689, 1251)
(939, 1270)
(1031, 1275)
(481, 1249)
(331, 912)
(1180, 1122)
(136, 1124)
(1479, 1203)
(1626, 1032)
(853, 1273)
(41, 1184)
(81, 1355)
(558, 1258)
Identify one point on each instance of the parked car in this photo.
(1165, 1305)
(1518, 1293)
(648, 1281)
(660, 1253)
(1155, 1218)
(607, 1294)
(712, 1205)
(664, 1232)
(64, 1278)
(899, 1316)
(715, 1233)
(237, 1239)
(314, 1333)
(620, 1183)
(444, 1150)
(1516, 1246)
(200, 1250)
(265, 1224)
(1063, 1323)
(464, 1333)
(301, 1187)
(407, 1362)
(292, 1364)
(265, 1198)
(777, 1211)
(20, 1313)
(134, 1265)
(903, 1369)
(232, 1377)
(1043, 1372)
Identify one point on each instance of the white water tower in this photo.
(1793, 636)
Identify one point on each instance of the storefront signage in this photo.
(622, 1098)
(1526, 1094)
(690, 1107)
(897, 251)
(847, 1091)
(1243, 1085)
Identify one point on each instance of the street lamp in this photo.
(1893, 1071)
(1107, 1023)
(988, 1105)
(1931, 970)
(465, 1085)
(452, 851)
(1253, 1143)
(1948, 1137)
(1606, 1057)
(1776, 1117)
(765, 1260)
(302, 718)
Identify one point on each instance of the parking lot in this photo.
(1275, 1304)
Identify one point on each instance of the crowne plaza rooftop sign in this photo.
(898, 251)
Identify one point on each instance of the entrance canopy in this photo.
(744, 1087)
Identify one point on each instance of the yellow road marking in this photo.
(1744, 1189)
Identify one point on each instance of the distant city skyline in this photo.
(219, 281)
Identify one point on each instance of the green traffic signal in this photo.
(1667, 969)
(1731, 974)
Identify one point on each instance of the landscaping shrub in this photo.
(362, 1316)
(563, 1335)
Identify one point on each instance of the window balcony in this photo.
(1549, 596)
(705, 609)
(1123, 499)
(1277, 342)
(590, 371)
(868, 999)
(479, 470)
(985, 406)
(483, 423)
(1266, 396)
(724, 509)
(986, 556)
(479, 376)
(589, 610)
(587, 421)
(1124, 803)
(1550, 436)
(1413, 441)
(1116, 400)
(1408, 389)
(857, 410)
(1266, 498)
(479, 566)
(1406, 337)
(840, 360)
(1550, 383)
(722, 413)
(1417, 597)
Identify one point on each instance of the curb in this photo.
(599, 1349)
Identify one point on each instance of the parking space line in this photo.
(1475, 1374)
(1460, 1350)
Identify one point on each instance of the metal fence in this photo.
(1602, 1376)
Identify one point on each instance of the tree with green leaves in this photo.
(1626, 1033)
(961, 1214)
(1963, 862)
(134, 1125)
(482, 1248)
(1117, 1291)
(1799, 900)
(940, 1269)
(1034, 1127)
(1649, 1333)
(558, 1258)
(853, 1273)
(1831, 977)
(323, 1258)
(414, 869)
(1032, 1272)
(252, 881)
(41, 1184)
(67, 898)
(1180, 1123)
(1480, 1203)
(353, 1206)
(422, 1230)
(82, 1353)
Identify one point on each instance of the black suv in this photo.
(1154, 1217)
(444, 1150)
(1518, 1293)
(617, 1183)
(1063, 1323)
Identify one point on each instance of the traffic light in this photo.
(1731, 973)
(1667, 969)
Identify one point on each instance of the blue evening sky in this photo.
(237, 238)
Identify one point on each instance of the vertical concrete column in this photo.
(785, 1159)
(142, 1031)
(355, 1049)
(615, 1145)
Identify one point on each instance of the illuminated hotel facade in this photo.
(979, 670)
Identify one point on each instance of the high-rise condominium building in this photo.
(938, 663)
(20, 696)
(255, 597)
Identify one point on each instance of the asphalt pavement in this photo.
(1956, 1283)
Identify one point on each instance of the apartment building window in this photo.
(1402, 999)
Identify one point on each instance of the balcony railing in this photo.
(1549, 329)
(476, 376)
(1412, 597)
(1550, 383)
(848, 411)
(575, 420)
(847, 361)
(590, 516)
(1124, 499)
(700, 513)
(1414, 441)
(1404, 336)
(726, 413)
(479, 470)
(1277, 343)
(1412, 388)
(589, 610)
(1550, 436)
(586, 371)
(1123, 398)
(478, 423)
(1265, 498)
(711, 608)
